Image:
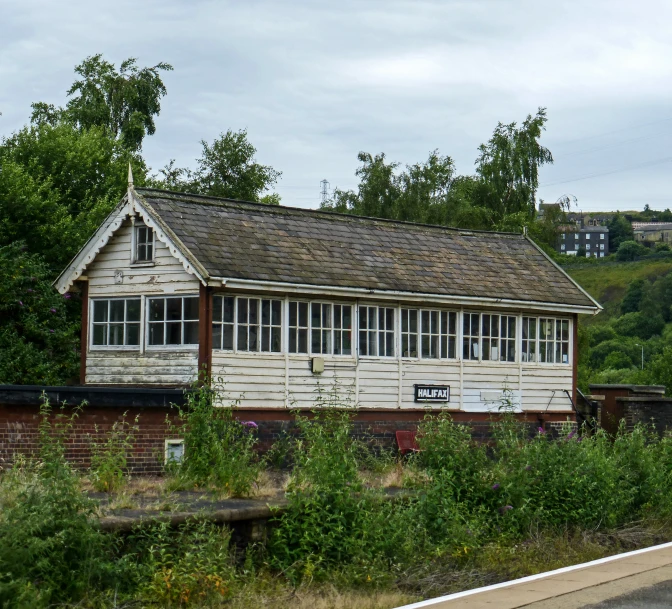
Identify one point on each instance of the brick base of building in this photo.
(97, 410)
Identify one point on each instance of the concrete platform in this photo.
(641, 572)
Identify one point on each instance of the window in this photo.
(562, 247)
(409, 333)
(576, 236)
(554, 341)
(563, 236)
(601, 246)
(438, 334)
(602, 236)
(329, 327)
(342, 330)
(498, 342)
(587, 236)
(256, 324)
(144, 244)
(587, 246)
(601, 254)
(470, 336)
(529, 345)
(116, 322)
(173, 321)
(320, 328)
(376, 331)
(588, 255)
(298, 327)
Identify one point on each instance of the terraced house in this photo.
(283, 303)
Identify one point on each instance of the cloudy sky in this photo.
(316, 82)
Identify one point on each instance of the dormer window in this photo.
(144, 244)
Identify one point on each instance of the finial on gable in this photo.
(130, 175)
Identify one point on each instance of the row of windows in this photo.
(562, 246)
(244, 324)
(576, 236)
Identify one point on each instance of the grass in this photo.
(608, 281)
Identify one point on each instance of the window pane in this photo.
(229, 305)
(99, 335)
(265, 338)
(227, 336)
(347, 343)
(133, 334)
(242, 312)
(133, 309)
(191, 308)
(266, 312)
(292, 342)
(276, 313)
(173, 309)
(157, 309)
(190, 333)
(253, 343)
(315, 315)
(174, 333)
(276, 340)
(156, 334)
(117, 308)
(303, 339)
(100, 310)
(217, 305)
(293, 313)
(303, 314)
(217, 336)
(316, 341)
(116, 334)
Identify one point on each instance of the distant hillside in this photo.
(608, 281)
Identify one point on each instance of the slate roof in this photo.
(240, 240)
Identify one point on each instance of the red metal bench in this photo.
(406, 442)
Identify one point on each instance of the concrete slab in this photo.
(583, 584)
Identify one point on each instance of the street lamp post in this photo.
(642, 346)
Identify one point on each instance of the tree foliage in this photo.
(38, 327)
(124, 102)
(226, 168)
(500, 196)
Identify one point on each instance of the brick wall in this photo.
(97, 413)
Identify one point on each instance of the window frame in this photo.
(92, 323)
(494, 341)
(134, 254)
(420, 333)
(554, 341)
(147, 323)
(260, 325)
(396, 328)
(332, 330)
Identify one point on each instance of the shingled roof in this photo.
(240, 240)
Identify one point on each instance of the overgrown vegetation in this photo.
(468, 515)
(629, 342)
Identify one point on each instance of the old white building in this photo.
(279, 302)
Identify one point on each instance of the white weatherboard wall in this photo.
(276, 381)
(166, 366)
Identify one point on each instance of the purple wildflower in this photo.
(528, 468)
(250, 424)
(571, 434)
(30, 290)
(541, 430)
(52, 310)
(67, 296)
(495, 486)
(504, 509)
(21, 302)
(51, 331)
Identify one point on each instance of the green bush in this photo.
(50, 550)
(109, 457)
(639, 324)
(631, 250)
(219, 449)
(617, 360)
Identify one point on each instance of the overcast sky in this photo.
(316, 82)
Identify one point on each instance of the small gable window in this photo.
(144, 244)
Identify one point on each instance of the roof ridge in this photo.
(221, 201)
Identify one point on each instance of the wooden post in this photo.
(575, 359)
(204, 332)
(84, 347)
